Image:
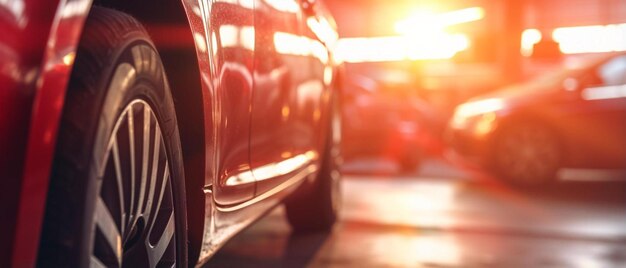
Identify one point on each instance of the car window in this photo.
(613, 73)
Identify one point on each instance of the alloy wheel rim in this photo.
(529, 154)
(133, 219)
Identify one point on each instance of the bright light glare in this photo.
(467, 110)
(272, 170)
(591, 39)
(485, 124)
(462, 15)
(68, 59)
(530, 37)
(421, 22)
(426, 22)
(322, 28)
(290, 44)
(480, 107)
(423, 38)
(397, 48)
(290, 6)
(604, 93)
(236, 36)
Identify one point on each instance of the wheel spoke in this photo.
(94, 262)
(144, 195)
(166, 176)
(107, 226)
(120, 179)
(153, 174)
(131, 138)
(155, 253)
(144, 158)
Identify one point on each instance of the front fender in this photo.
(45, 42)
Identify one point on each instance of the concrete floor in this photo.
(444, 216)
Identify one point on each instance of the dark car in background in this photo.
(147, 134)
(574, 117)
(387, 120)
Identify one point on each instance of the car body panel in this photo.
(38, 55)
(287, 95)
(276, 78)
(278, 165)
(232, 37)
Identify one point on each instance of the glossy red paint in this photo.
(266, 74)
(40, 41)
(287, 93)
(55, 70)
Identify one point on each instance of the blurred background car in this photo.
(389, 120)
(573, 117)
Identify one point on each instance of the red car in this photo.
(574, 117)
(143, 133)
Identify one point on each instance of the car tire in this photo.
(527, 154)
(116, 193)
(316, 207)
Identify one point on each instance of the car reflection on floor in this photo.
(449, 217)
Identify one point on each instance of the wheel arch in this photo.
(65, 29)
(168, 25)
(532, 118)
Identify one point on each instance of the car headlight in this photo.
(484, 124)
(478, 124)
(480, 116)
(471, 109)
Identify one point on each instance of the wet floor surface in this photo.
(446, 217)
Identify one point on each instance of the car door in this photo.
(603, 122)
(607, 110)
(281, 65)
(232, 40)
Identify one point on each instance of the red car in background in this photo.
(144, 133)
(573, 117)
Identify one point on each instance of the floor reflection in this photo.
(451, 218)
